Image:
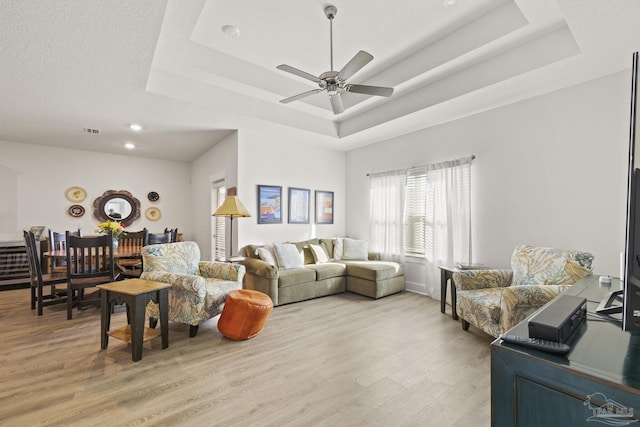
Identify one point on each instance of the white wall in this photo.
(550, 171)
(274, 155)
(45, 173)
(8, 200)
(219, 163)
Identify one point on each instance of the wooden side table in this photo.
(136, 293)
(446, 275)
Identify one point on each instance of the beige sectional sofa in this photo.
(292, 272)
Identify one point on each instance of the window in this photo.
(423, 213)
(437, 211)
(219, 224)
(415, 220)
(386, 215)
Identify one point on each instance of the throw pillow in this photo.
(355, 250)
(288, 256)
(266, 254)
(327, 245)
(319, 254)
(338, 247)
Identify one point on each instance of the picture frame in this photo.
(299, 205)
(324, 207)
(269, 204)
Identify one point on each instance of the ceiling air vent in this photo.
(92, 131)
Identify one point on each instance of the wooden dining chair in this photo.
(58, 242)
(40, 280)
(174, 234)
(131, 267)
(89, 263)
(157, 238)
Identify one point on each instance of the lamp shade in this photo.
(232, 207)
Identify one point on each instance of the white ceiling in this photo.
(75, 64)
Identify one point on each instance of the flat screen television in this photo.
(627, 300)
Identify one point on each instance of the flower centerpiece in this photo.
(116, 228)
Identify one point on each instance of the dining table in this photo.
(133, 252)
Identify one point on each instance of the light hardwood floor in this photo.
(343, 360)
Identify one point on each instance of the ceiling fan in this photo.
(335, 82)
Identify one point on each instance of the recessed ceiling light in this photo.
(135, 127)
(129, 145)
(449, 3)
(231, 31)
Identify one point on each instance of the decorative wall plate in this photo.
(75, 211)
(76, 194)
(153, 196)
(153, 213)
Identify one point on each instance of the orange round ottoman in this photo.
(244, 314)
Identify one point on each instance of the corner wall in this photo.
(280, 156)
(219, 163)
(550, 171)
(45, 173)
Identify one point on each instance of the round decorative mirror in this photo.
(117, 205)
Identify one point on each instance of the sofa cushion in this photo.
(267, 254)
(251, 251)
(287, 256)
(327, 244)
(373, 270)
(319, 254)
(355, 249)
(327, 270)
(303, 248)
(338, 248)
(296, 276)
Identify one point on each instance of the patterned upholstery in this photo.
(199, 288)
(496, 300)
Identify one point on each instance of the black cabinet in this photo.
(14, 266)
(597, 383)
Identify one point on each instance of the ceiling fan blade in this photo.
(299, 73)
(369, 90)
(361, 59)
(300, 95)
(336, 103)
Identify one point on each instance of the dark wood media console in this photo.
(597, 383)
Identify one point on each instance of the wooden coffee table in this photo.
(135, 293)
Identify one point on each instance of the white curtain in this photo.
(448, 218)
(386, 217)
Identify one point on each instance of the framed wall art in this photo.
(299, 205)
(269, 203)
(324, 207)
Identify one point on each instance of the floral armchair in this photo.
(496, 300)
(199, 288)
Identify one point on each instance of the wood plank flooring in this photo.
(343, 360)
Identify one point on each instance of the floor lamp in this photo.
(232, 207)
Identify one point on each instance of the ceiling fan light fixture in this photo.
(334, 82)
